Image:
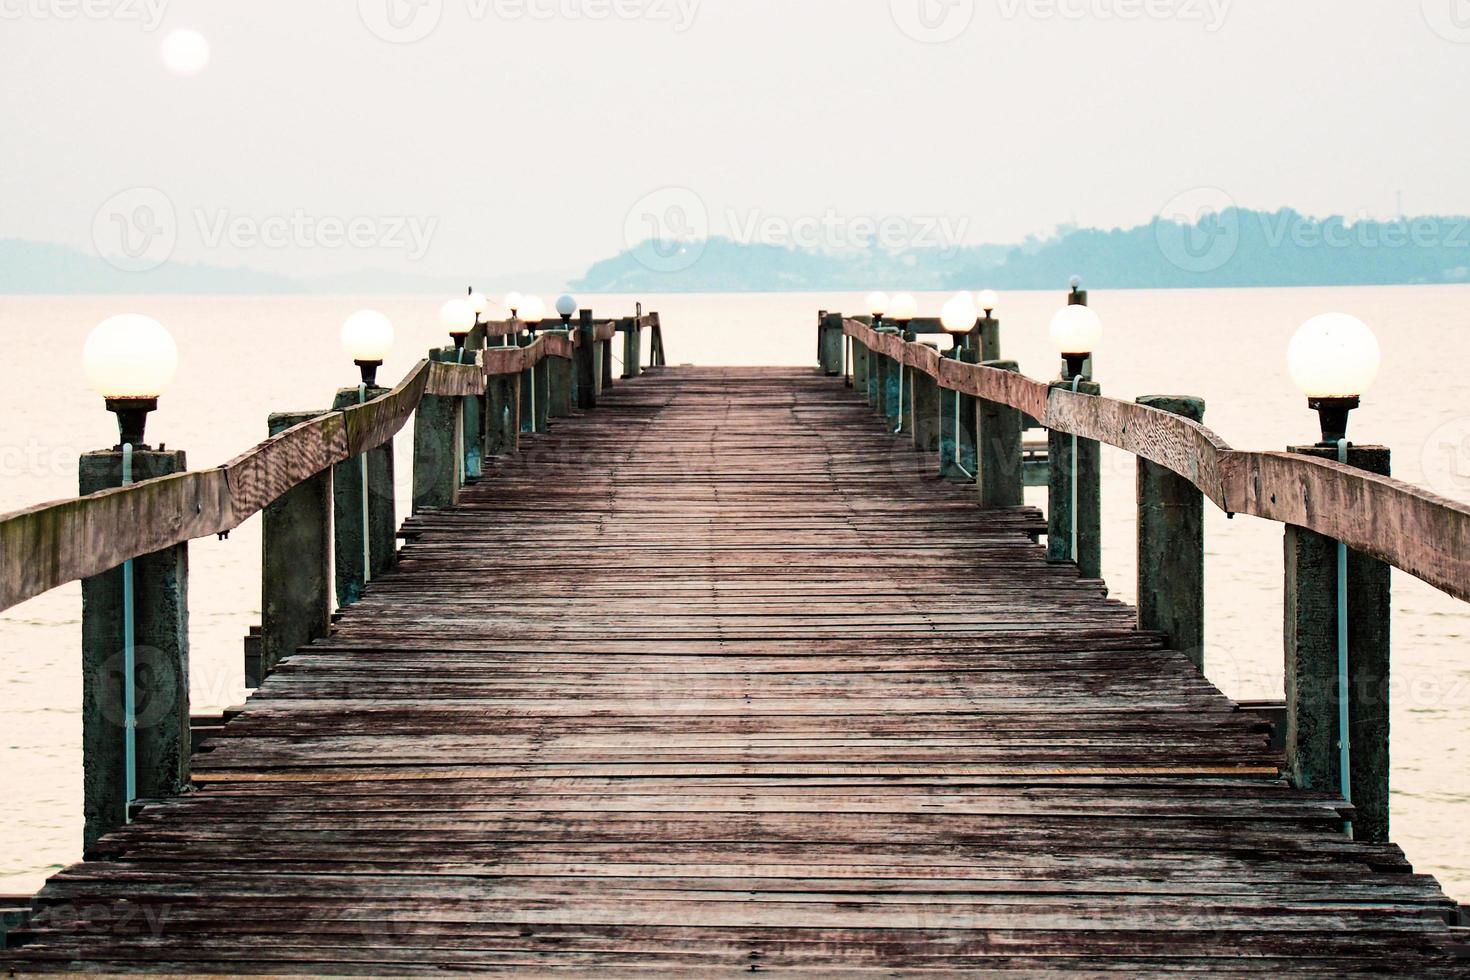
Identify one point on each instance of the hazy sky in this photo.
(529, 134)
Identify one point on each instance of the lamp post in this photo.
(532, 312)
(480, 303)
(877, 304)
(561, 372)
(1075, 332)
(367, 336)
(902, 310)
(1338, 602)
(362, 489)
(1074, 526)
(1333, 358)
(134, 617)
(959, 318)
(566, 308)
(458, 317)
(130, 359)
(989, 328)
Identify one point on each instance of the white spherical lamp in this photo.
(481, 304)
(513, 303)
(458, 317)
(958, 316)
(1076, 332)
(988, 301)
(566, 307)
(533, 311)
(130, 360)
(1334, 358)
(878, 304)
(1075, 282)
(903, 308)
(367, 337)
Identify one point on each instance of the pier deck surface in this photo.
(718, 678)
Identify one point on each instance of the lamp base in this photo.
(1334, 415)
(369, 372)
(1075, 365)
(132, 419)
(458, 339)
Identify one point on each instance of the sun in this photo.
(185, 52)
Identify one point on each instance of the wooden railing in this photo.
(51, 544)
(1408, 527)
(1336, 631)
(325, 485)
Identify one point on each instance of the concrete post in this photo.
(860, 367)
(560, 373)
(892, 404)
(1312, 731)
(999, 477)
(435, 437)
(160, 614)
(347, 523)
(830, 339)
(503, 410)
(541, 372)
(605, 351)
(587, 366)
(1171, 545)
(1088, 556)
(633, 347)
(989, 339)
(296, 564)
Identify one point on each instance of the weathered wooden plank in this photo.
(447, 379)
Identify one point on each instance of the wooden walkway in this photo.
(719, 679)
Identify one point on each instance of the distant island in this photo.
(1235, 247)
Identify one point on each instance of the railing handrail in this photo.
(50, 544)
(1409, 527)
(506, 328)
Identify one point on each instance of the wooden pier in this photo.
(718, 677)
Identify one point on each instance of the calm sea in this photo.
(242, 358)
